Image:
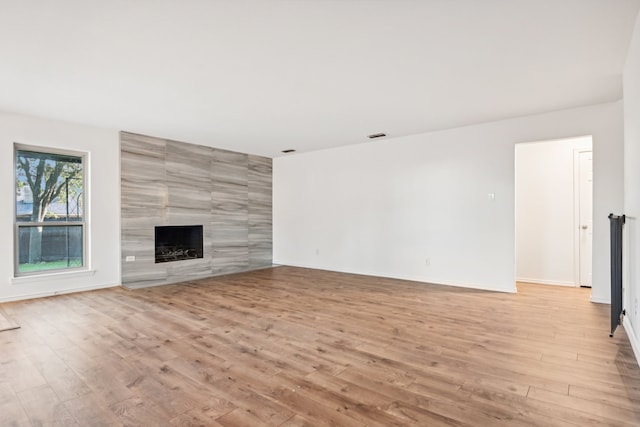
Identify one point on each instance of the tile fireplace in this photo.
(178, 242)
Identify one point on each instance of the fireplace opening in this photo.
(178, 242)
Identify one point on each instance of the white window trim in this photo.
(19, 277)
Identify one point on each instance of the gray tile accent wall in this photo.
(166, 182)
(260, 208)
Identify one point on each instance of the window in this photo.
(49, 210)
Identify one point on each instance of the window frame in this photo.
(18, 224)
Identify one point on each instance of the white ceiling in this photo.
(263, 76)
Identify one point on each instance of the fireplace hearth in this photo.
(178, 242)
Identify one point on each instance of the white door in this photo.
(586, 215)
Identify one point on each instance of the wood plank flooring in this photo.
(6, 324)
(298, 347)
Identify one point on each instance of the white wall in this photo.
(103, 204)
(545, 215)
(384, 206)
(632, 189)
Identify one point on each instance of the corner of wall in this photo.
(635, 343)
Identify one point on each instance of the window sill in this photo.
(51, 276)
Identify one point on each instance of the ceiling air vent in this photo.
(289, 150)
(376, 135)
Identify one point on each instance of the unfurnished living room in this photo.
(319, 212)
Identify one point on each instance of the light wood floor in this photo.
(294, 347)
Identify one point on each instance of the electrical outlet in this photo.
(317, 251)
(427, 261)
(130, 258)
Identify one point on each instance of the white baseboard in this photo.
(21, 297)
(545, 282)
(512, 290)
(599, 300)
(411, 278)
(635, 344)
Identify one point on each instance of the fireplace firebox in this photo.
(178, 242)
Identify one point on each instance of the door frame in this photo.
(576, 215)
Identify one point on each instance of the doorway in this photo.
(553, 208)
(584, 215)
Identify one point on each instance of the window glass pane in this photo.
(49, 211)
(50, 247)
(49, 187)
